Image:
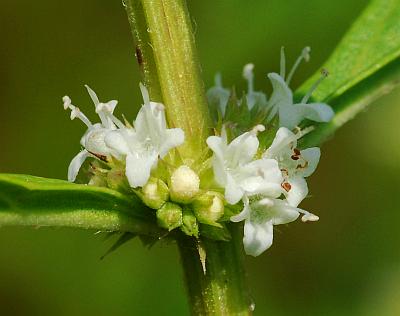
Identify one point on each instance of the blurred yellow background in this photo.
(346, 264)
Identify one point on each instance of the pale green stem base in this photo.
(221, 289)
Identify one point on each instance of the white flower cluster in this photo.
(281, 102)
(271, 184)
(261, 183)
(139, 146)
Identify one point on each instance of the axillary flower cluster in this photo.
(253, 171)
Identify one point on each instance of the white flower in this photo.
(295, 164)
(281, 101)
(253, 97)
(146, 142)
(218, 94)
(235, 170)
(260, 217)
(93, 139)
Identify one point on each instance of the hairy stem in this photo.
(164, 36)
(218, 288)
(166, 53)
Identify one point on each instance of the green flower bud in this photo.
(209, 207)
(169, 216)
(155, 193)
(190, 226)
(184, 184)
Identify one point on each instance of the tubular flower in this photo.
(139, 146)
(294, 163)
(218, 94)
(237, 172)
(281, 101)
(253, 97)
(142, 145)
(93, 140)
(260, 217)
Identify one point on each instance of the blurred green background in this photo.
(346, 264)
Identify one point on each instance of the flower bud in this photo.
(155, 193)
(185, 184)
(209, 207)
(190, 226)
(169, 216)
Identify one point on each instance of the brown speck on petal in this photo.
(286, 186)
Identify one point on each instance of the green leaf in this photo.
(33, 201)
(364, 66)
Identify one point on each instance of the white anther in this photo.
(258, 128)
(75, 112)
(248, 72)
(306, 53)
(67, 102)
(309, 217)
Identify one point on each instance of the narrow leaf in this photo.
(33, 201)
(363, 66)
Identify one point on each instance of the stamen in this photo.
(309, 217)
(76, 113)
(249, 76)
(218, 80)
(258, 128)
(115, 120)
(67, 102)
(324, 74)
(145, 93)
(305, 54)
(283, 63)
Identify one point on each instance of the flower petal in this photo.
(174, 137)
(318, 112)
(138, 168)
(298, 190)
(220, 172)
(242, 149)
(244, 214)
(258, 237)
(311, 155)
(233, 193)
(117, 142)
(281, 94)
(281, 142)
(76, 164)
(217, 145)
(268, 169)
(283, 213)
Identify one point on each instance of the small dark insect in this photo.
(139, 56)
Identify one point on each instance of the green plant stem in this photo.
(165, 27)
(220, 289)
(143, 49)
(165, 47)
